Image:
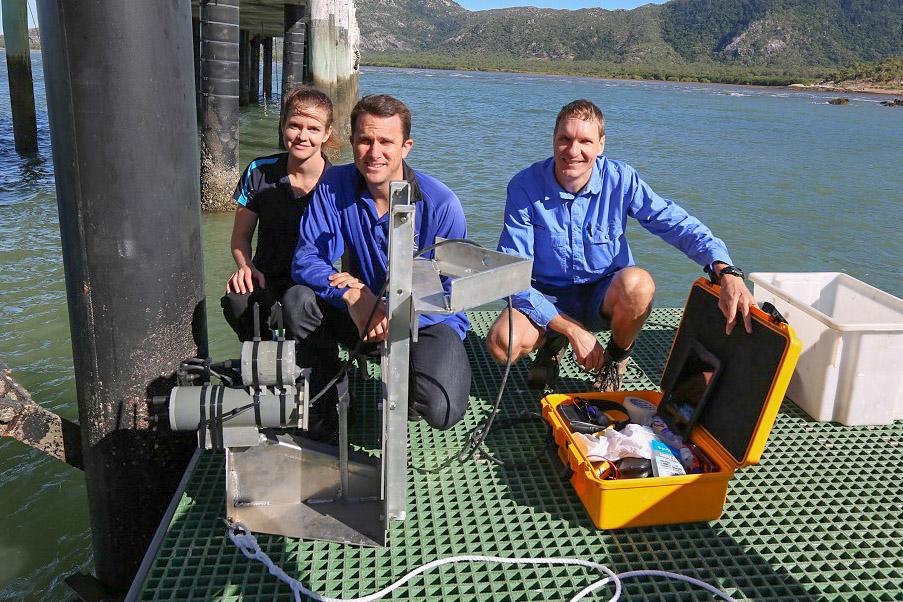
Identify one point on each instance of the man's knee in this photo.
(521, 340)
(637, 288)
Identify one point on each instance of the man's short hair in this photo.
(382, 105)
(582, 109)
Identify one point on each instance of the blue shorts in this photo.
(583, 302)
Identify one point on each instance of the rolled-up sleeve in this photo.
(669, 221)
(517, 239)
(320, 244)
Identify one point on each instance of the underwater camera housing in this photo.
(278, 480)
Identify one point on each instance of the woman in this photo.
(272, 194)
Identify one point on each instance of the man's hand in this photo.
(587, 350)
(361, 302)
(734, 295)
(243, 279)
(345, 280)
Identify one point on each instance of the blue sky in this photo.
(609, 4)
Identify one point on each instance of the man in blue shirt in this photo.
(568, 214)
(349, 215)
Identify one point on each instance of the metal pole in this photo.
(132, 255)
(18, 69)
(293, 47)
(244, 67)
(267, 68)
(219, 103)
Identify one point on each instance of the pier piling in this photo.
(219, 103)
(128, 196)
(267, 68)
(293, 46)
(254, 73)
(244, 66)
(334, 55)
(18, 74)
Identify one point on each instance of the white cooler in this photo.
(851, 367)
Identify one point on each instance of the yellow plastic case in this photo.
(732, 430)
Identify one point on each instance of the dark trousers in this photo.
(238, 309)
(440, 371)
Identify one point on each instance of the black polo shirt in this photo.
(265, 189)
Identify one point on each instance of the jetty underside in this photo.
(820, 517)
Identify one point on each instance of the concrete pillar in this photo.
(323, 45)
(293, 46)
(244, 67)
(347, 65)
(267, 68)
(18, 74)
(132, 256)
(254, 71)
(219, 99)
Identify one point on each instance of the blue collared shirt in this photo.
(581, 238)
(342, 216)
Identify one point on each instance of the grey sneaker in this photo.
(610, 375)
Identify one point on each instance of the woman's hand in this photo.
(243, 279)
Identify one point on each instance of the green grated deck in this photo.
(820, 518)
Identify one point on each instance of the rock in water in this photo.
(839, 101)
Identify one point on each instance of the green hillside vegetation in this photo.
(884, 72)
(686, 72)
(34, 40)
(731, 41)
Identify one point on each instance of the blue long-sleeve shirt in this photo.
(342, 216)
(578, 239)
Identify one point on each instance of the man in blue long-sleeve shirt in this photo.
(568, 214)
(349, 215)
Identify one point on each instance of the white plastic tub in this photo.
(851, 367)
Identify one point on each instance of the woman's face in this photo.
(304, 132)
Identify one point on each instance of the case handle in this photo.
(772, 312)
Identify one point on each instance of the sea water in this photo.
(788, 181)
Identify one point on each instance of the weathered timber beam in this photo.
(24, 420)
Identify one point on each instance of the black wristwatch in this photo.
(726, 269)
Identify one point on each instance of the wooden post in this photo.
(18, 75)
(132, 255)
(219, 103)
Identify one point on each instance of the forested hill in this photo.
(755, 33)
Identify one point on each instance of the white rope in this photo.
(247, 544)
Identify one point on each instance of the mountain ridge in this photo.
(774, 34)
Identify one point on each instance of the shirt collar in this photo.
(594, 186)
(409, 176)
(284, 180)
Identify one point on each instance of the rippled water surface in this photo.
(791, 183)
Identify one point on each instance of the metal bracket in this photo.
(397, 352)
